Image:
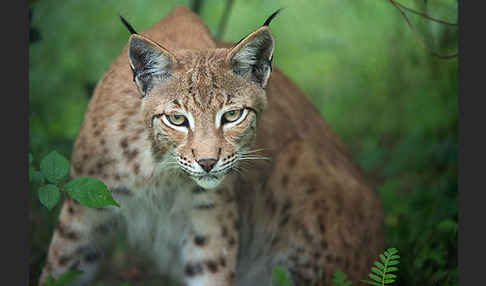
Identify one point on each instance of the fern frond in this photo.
(380, 275)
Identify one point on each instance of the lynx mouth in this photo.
(208, 181)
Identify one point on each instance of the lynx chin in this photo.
(222, 166)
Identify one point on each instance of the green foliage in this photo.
(63, 279)
(381, 273)
(90, 192)
(37, 176)
(339, 279)
(87, 191)
(31, 172)
(54, 167)
(49, 195)
(68, 276)
(280, 277)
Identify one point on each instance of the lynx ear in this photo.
(252, 56)
(150, 62)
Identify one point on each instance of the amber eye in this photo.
(232, 115)
(177, 119)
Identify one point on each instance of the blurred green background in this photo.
(392, 103)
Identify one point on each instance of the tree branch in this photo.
(421, 42)
(423, 14)
(224, 19)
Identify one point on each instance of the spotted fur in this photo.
(215, 203)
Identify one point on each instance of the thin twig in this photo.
(224, 20)
(423, 14)
(418, 37)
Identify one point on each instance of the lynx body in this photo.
(223, 168)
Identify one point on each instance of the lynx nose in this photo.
(207, 164)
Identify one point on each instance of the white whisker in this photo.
(253, 158)
(251, 151)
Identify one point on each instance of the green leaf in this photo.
(125, 284)
(390, 276)
(377, 271)
(30, 158)
(374, 277)
(90, 192)
(379, 265)
(37, 177)
(280, 277)
(392, 251)
(389, 258)
(393, 262)
(448, 225)
(67, 277)
(383, 258)
(54, 167)
(49, 196)
(371, 282)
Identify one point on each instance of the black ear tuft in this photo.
(267, 22)
(128, 26)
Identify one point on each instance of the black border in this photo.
(15, 203)
(472, 141)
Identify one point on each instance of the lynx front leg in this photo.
(78, 242)
(209, 252)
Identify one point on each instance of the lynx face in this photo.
(207, 147)
(206, 139)
(202, 107)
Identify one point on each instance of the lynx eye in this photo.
(177, 119)
(232, 115)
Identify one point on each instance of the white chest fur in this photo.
(157, 221)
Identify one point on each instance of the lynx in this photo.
(223, 168)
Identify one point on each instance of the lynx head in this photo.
(202, 107)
